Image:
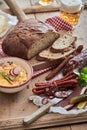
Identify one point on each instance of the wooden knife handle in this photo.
(42, 110)
(16, 9)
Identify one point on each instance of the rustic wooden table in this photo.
(14, 107)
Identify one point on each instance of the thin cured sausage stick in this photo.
(47, 83)
(60, 66)
(68, 74)
(73, 76)
(56, 82)
(68, 81)
(64, 84)
(67, 84)
(41, 90)
(42, 84)
(37, 92)
(65, 78)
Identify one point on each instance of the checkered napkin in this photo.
(59, 24)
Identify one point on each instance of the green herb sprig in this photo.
(82, 76)
(5, 77)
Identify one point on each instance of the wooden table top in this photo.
(15, 106)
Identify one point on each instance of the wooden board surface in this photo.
(13, 107)
(32, 6)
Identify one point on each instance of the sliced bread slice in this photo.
(49, 55)
(63, 42)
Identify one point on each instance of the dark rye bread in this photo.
(28, 38)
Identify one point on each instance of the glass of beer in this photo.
(70, 10)
(45, 2)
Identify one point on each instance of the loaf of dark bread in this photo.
(28, 38)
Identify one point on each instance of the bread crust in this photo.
(49, 55)
(64, 46)
(25, 35)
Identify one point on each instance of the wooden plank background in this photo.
(32, 6)
(13, 107)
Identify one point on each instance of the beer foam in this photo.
(71, 6)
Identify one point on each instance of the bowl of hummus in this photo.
(15, 74)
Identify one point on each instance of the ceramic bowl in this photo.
(25, 65)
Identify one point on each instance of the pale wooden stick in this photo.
(16, 9)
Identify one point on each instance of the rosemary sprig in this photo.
(5, 77)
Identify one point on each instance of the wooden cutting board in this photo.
(32, 6)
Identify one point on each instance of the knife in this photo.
(42, 67)
(41, 111)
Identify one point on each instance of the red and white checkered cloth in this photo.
(59, 24)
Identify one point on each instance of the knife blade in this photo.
(44, 64)
(42, 67)
(41, 111)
